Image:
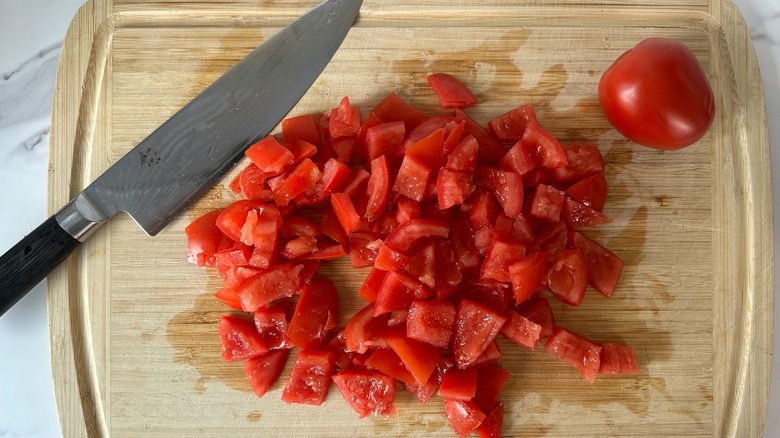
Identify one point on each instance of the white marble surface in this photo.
(31, 32)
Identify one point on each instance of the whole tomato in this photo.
(657, 95)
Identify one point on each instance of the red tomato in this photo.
(301, 149)
(527, 275)
(203, 238)
(426, 128)
(269, 155)
(511, 125)
(299, 247)
(419, 357)
(459, 384)
(576, 351)
(493, 423)
(367, 392)
(544, 149)
(378, 188)
(475, 328)
(576, 215)
(332, 228)
(315, 314)
(658, 95)
(397, 291)
(422, 263)
(300, 128)
(363, 248)
(431, 322)
(507, 187)
(604, 267)
(384, 139)
(490, 381)
(280, 281)
(310, 378)
(360, 141)
(392, 108)
(568, 277)
(430, 150)
(335, 176)
(591, 191)
(517, 159)
(521, 330)
(493, 294)
(451, 92)
(408, 209)
(491, 355)
(240, 339)
(484, 210)
(303, 178)
(232, 218)
(617, 359)
(296, 226)
(408, 233)
(337, 345)
(490, 149)
(386, 361)
(499, 257)
(263, 371)
(229, 297)
(412, 178)
(546, 204)
(344, 120)
(584, 160)
(370, 287)
(464, 416)
(363, 330)
(538, 310)
(271, 323)
(453, 187)
(251, 183)
(345, 212)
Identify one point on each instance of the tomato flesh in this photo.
(475, 328)
(521, 330)
(203, 238)
(367, 392)
(431, 322)
(263, 371)
(240, 339)
(617, 359)
(310, 378)
(464, 416)
(315, 314)
(451, 92)
(576, 351)
(269, 155)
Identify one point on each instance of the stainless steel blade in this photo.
(185, 156)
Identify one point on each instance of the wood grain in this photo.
(133, 326)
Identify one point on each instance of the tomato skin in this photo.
(419, 357)
(269, 155)
(412, 178)
(527, 275)
(459, 384)
(604, 267)
(272, 325)
(591, 191)
(493, 423)
(521, 330)
(300, 128)
(378, 188)
(511, 125)
(386, 361)
(538, 310)
(280, 281)
(656, 94)
(490, 380)
(203, 238)
(451, 92)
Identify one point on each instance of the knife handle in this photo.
(31, 260)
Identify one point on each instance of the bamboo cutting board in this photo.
(134, 327)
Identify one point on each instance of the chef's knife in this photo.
(191, 151)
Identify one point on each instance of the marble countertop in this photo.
(32, 32)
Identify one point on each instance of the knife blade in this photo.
(191, 151)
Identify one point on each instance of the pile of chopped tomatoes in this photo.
(463, 228)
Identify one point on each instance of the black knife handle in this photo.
(31, 260)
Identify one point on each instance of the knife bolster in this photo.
(80, 217)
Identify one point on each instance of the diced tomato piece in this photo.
(576, 351)
(397, 291)
(499, 257)
(337, 345)
(331, 227)
(388, 259)
(604, 267)
(475, 328)
(539, 311)
(431, 322)
(261, 230)
(464, 416)
(544, 149)
(420, 358)
(576, 215)
(408, 209)
(522, 229)
(412, 178)
(334, 177)
(367, 392)
(511, 126)
(484, 210)
(362, 330)
(536, 177)
(591, 191)
(448, 273)
(403, 238)
(229, 296)
(617, 359)
(453, 187)
(343, 147)
(360, 141)
(203, 239)
(424, 392)
(304, 177)
(459, 384)
(428, 127)
(491, 355)
(251, 182)
(493, 294)
(240, 339)
(264, 370)
(370, 287)
(466, 254)
(397, 317)
(315, 314)
(280, 281)
(464, 156)
(546, 203)
(300, 128)
(451, 92)
(310, 378)
(392, 108)
(299, 247)
(527, 275)
(384, 139)
(507, 187)
(490, 149)
(429, 150)
(363, 248)
(378, 188)
(551, 241)
(309, 269)
(386, 361)
(583, 161)
(357, 183)
(490, 380)
(327, 252)
(344, 120)
(345, 212)
(271, 323)
(493, 423)
(518, 160)
(422, 263)
(483, 237)
(231, 220)
(301, 149)
(235, 185)
(269, 155)
(521, 330)
(296, 226)
(568, 277)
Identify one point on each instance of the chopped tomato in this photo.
(386, 361)
(271, 323)
(583, 161)
(493, 423)
(617, 359)
(384, 139)
(299, 247)
(310, 378)
(521, 330)
(429, 150)
(546, 203)
(491, 355)
(367, 392)
(343, 147)
(362, 330)
(412, 178)
(301, 149)
(518, 160)
(240, 339)
(459, 384)
(264, 370)
(576, 215)
(345, 212)
(231, 220)
(538, 310)
(203, 238)
(403, 237)
(303, 178)
(568, 277)
(229, 296)
(408, 209)
(493, 294)
(315, 314)
(448, 272)
(544, 149)
(464, 250)
(527, 275)
(378, 188)
(490, 380)
(419, 357)
(360, 141)
(370, 287)
(551, 241)
(576, 351)
(327, 252)
(269, 155)
(453, 187)
(464, 156)
(357, 183)
(251, 183)
(451, 92)
(392, 108)
(507, 187)
(464, 416)
(388, 259)
(280, 281)
(331, 227)
(338, 346)
(511, 126)
(300, 128)
(475, 328)
(261, 229)
(499, 257)
(397, 291)
(344, 120)
(490, 149)
(431, 322)
(334, 177)
(428, 127)
(604, 267)
(484, 210)
(591, 191)
(363, 248)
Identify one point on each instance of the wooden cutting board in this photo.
(134, 338)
